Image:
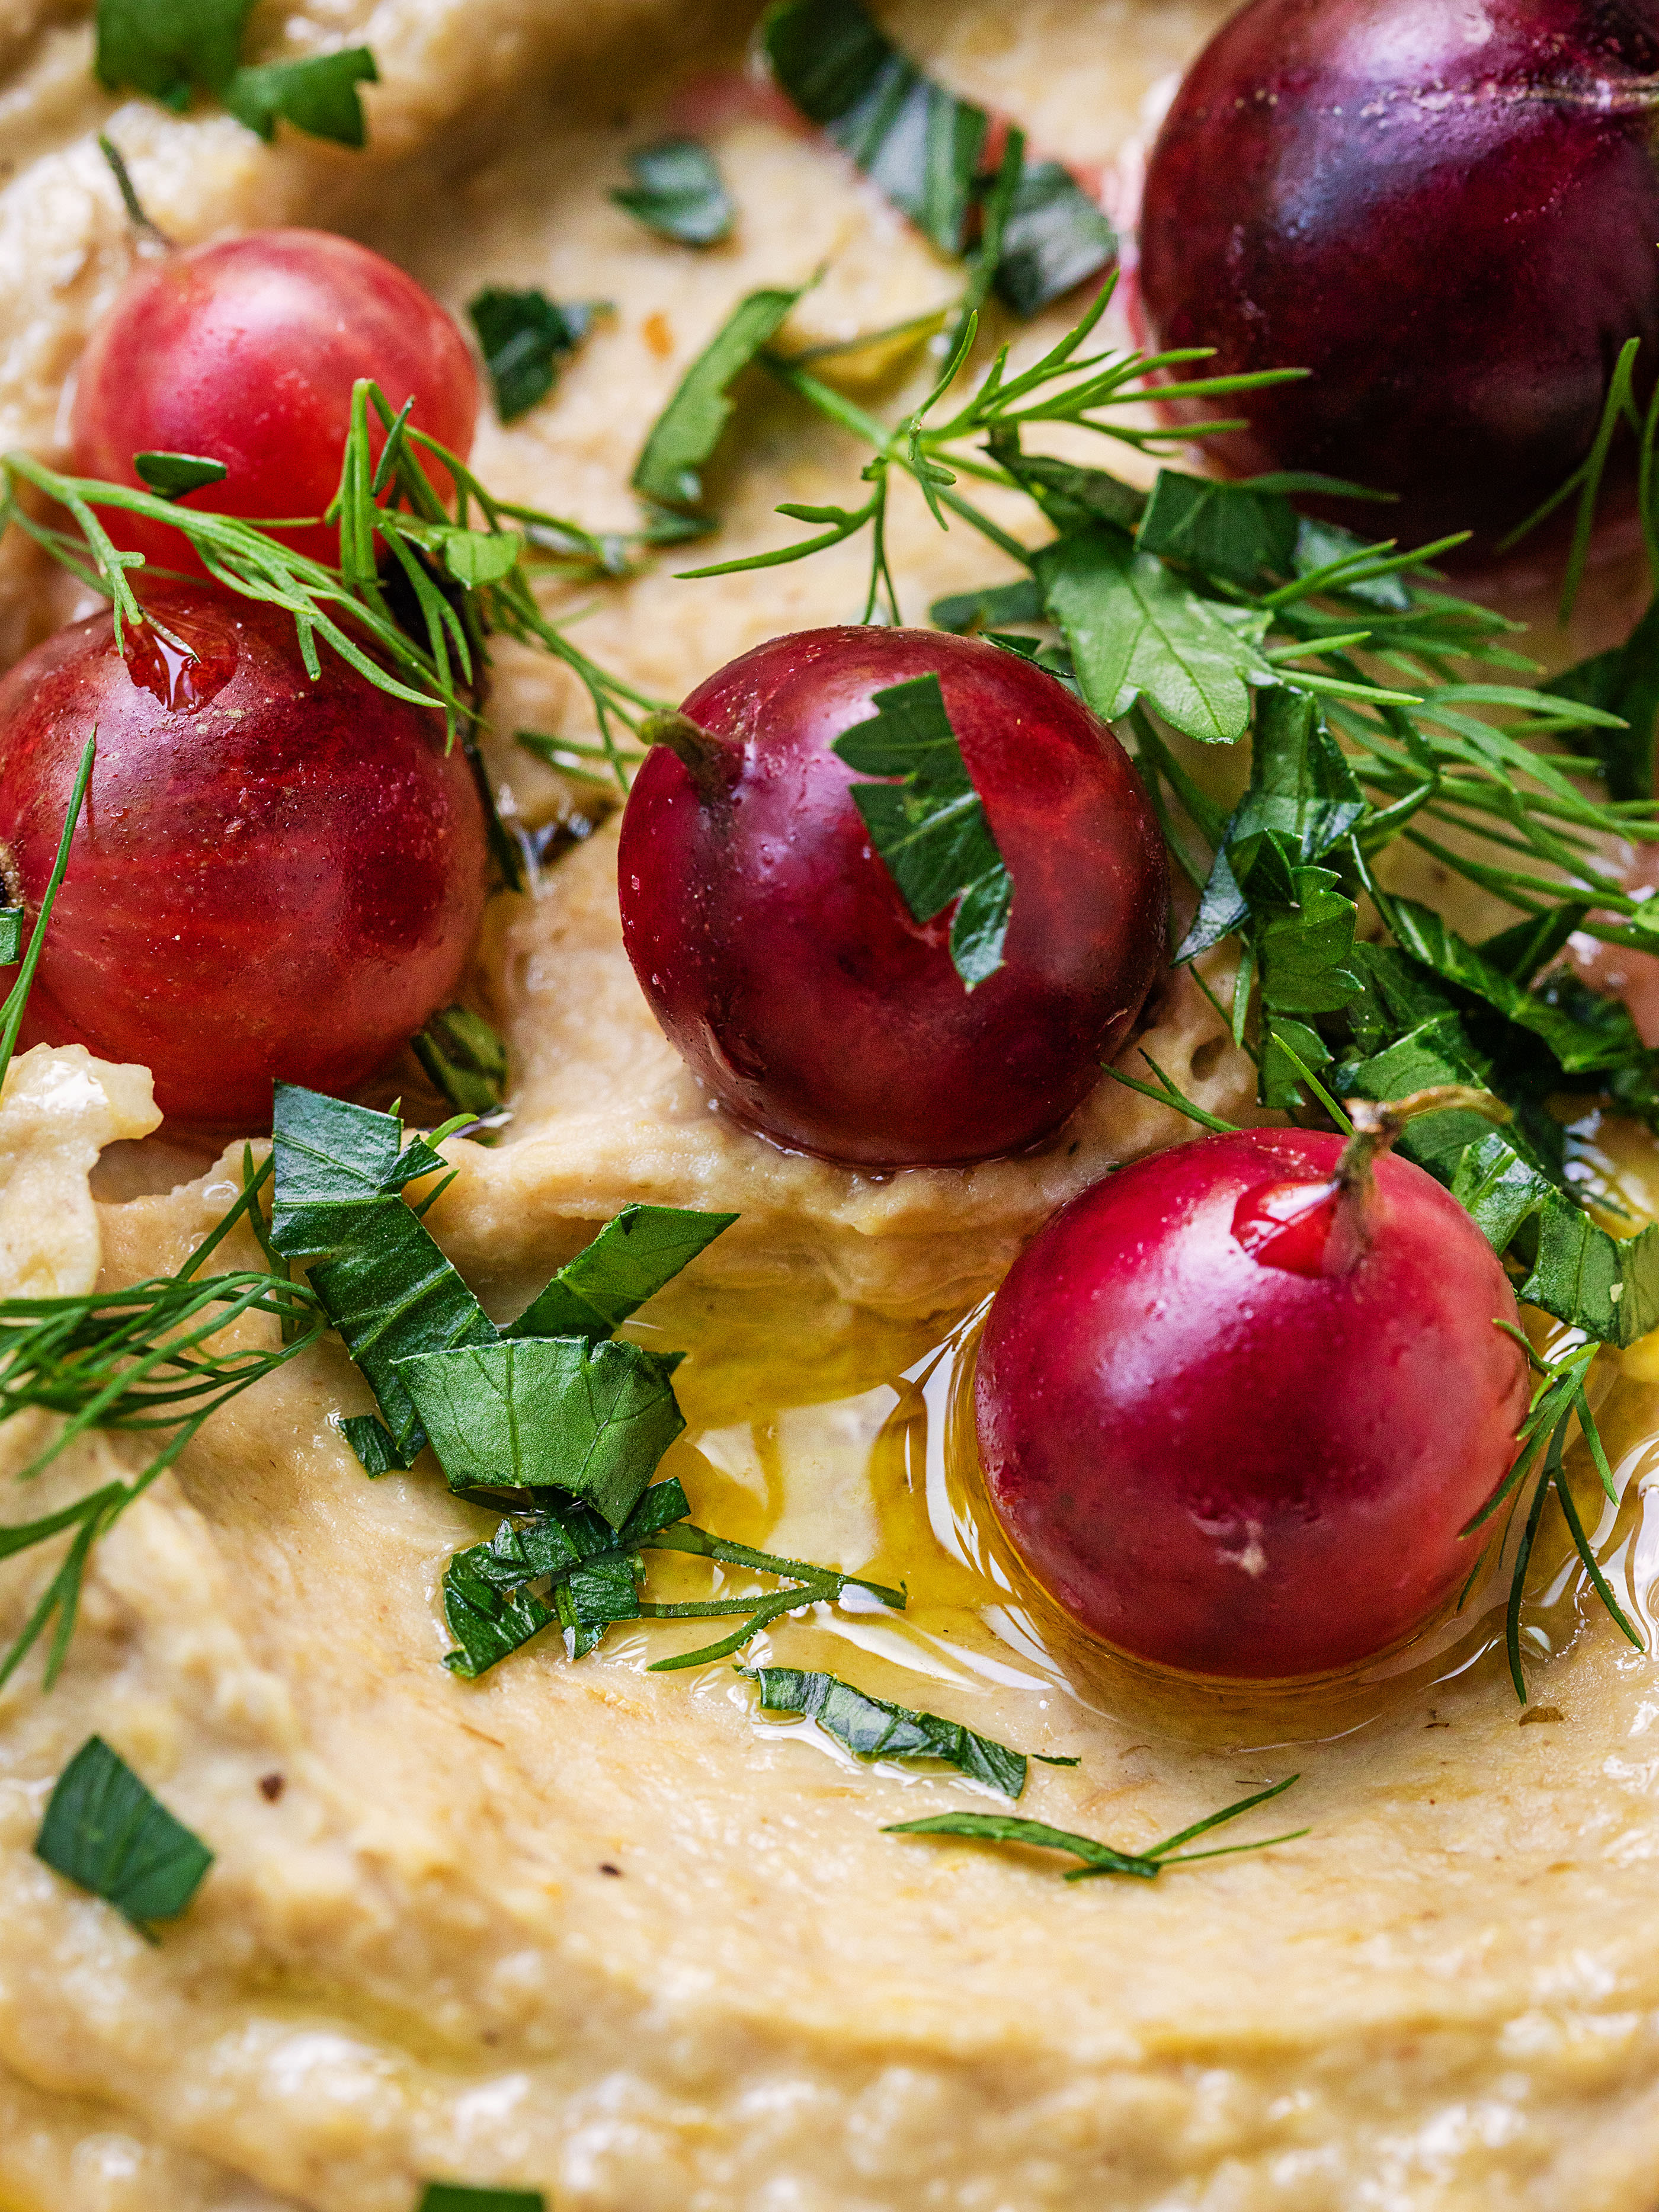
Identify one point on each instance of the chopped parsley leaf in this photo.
(924, 148)
(870, 1728)
(107, 1832)
(678, 192)
(930, 827)
(173, 48)
(526, 339)
(683, 439)
(173, 475)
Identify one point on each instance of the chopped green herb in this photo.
(105, 1832)
(634, 1256)
(11, 935)
(593, 1419)
(930, 827)
(1231, 530)
(317, 95)
(171, 48)
(465, 1059)
(924, 149)
(526, 339)
(373, 1443)
(173, 475)
(1137, 631)
(488, 1622)
(870, 1728)
(678, 192)
(1054, 237)
(459, 2197)
(1623, 681)
(167, 47)
(1101, 1858)
(988, 609)
(683, 439)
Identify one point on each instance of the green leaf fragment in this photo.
(871, 1728)
(1054, 237)
(459, 2197)
(167, 47)
(525, 339)
(593, 1419)
(988, 608)
(1226, 529)
(488, 1621)
(633, 1257)
(1624, 680)
(375, 1446)
(464, 1058)
(1136, 631)
(931, 828)
(317, 95)
(11, 935)
(924, 149)
(171, 48)
(684, 437)
(105, 1832)
(678, 192)
(173, 475)
(393, 1297)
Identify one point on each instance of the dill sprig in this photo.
(139, 1359)
(467, 570)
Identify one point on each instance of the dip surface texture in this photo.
(609, 1934)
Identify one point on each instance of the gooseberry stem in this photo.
(706, 757)
(1378, 1123)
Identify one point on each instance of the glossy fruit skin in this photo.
(281, 879)
(245, 351)
(1447, 211)
(779, 957)
(1238, 1468)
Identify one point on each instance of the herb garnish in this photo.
(678, 192)
(549, 1420)
(1101, 1858)
(460, 2196)
(526, 339)
(930, 825)
(135, 1359)
(105, 1832)
(683, 439)
(870, 1728)
(464, 1058)
(459, 574)
(924, 148)
(1216, 610)
(171, 476)
(171, 52)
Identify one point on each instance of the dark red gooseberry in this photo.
(1447, 212)
(1233, 1415)
(272, 877)
(779, 956)
(246, 352)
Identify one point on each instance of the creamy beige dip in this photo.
(603, 1933)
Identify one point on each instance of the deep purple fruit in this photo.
(1233, 1413)
(779, 956)
(1447, 211)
